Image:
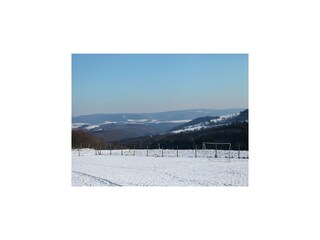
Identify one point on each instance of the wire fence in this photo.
(194, 153)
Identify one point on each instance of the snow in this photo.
(77, 125)
(204, 125)
(191, 128)
(174, 121)
(138, 121)
(134, 168)
(128, 121)
(224, 117)
(108, 122)
(142, 121)
(146, 121)
(92, 127)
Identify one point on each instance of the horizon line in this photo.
(188, 109)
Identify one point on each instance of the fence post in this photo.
(216, 154)
(147, 150)
(134, 151)
(121, 151)
(239, 151)
(195, 151)
(177, 152)
(162, 151)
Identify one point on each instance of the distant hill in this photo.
(235, 133)
(197, 121)
(209, 122)
(243, 116)
(229, 128)
(153, 117)
(116, 132)
(118, 127)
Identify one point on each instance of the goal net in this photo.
(220, 149)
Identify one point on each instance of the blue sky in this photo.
(137, 83)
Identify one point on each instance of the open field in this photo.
(134, 168)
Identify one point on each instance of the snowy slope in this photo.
(220, 121)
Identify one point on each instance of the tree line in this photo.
(237, 134)
(82, 139)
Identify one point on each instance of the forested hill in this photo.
(236, 134)
(195, 121)
(228, 129)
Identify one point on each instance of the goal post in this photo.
(215, 145)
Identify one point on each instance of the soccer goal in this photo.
(227, 147)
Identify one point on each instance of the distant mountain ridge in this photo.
(232, 128)
(196, 121)
(159, 116)
(209, 122)
(117, 127)
(235, 133)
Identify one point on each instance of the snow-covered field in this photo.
(135, 168)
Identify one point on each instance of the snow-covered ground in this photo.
(134, 168)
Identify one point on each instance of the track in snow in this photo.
(80, 179)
